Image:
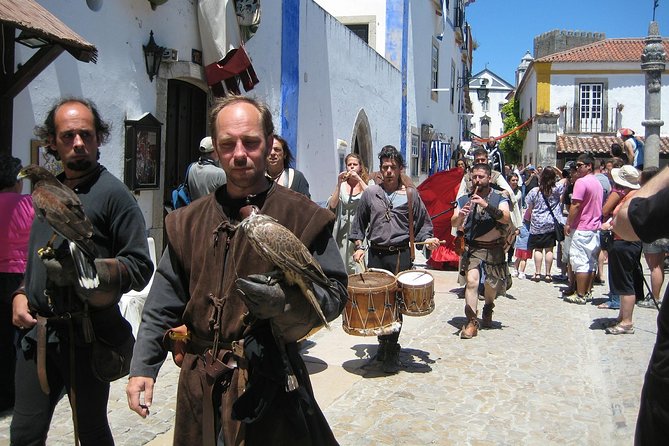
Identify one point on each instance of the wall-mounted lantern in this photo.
(153, 55)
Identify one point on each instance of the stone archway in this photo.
(361, 140)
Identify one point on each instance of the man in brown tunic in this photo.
(232, 386)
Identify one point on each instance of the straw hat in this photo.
(626, 176)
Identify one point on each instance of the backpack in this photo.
(181, 195)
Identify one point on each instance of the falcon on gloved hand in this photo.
(61, 208)
(277, 245)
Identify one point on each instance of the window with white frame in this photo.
(434, 80)
(590, 107)
(415, 153)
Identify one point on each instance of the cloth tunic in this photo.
(392, 231)
(118, 231)
(15, 222)
(195, 278)
(345, 214)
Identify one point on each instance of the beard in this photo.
(79, 165)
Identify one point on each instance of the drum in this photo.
(371, 307)
(416, 290)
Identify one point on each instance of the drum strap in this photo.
(411, 239)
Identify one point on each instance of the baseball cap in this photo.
(205, 145)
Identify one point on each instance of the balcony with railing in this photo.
(574, 120)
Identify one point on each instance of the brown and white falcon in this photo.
(277, 245)
(61, 208)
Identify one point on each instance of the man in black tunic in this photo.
(50, 307)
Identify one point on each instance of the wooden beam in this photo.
(6, 104)
(30, 70)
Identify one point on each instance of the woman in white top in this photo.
(278, 167)
(344, 203)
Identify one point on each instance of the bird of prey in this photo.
(61, 208)
(277, 245)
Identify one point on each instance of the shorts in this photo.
(541, 241)
(523, 254)
(623, 263)
(584, 251)
(656, 247)
(566, 244)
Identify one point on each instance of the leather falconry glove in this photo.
(264, 296)
(114, 281)
(60, 269)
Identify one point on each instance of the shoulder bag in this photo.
(559, 227)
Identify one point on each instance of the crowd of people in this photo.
(233, 323)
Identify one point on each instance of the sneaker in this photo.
(521, 276)
(598, 281)
(514, 273)
(620, 329)
(648, 302)
(588, 296)
(575, 299)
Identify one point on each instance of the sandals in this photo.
(549, 279)
(620, 329)
(608, 305)
(537, 278)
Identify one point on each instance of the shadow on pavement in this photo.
(411, 361)
(601, 323)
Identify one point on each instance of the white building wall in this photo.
(357, 12)
(527, 109)
(339, 76)
(118, 83)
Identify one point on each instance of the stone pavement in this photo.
(546, 373)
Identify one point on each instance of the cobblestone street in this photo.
(545, 374)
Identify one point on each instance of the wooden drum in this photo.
(371, 307)
(416, 290)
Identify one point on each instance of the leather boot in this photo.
(472, 327)
(391, 361)
(486, 315)
(381, 350)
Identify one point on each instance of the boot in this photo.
(391, 361)
(486, 315)
(381, 350)
(471, 329)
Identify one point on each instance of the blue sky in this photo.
(505, 29)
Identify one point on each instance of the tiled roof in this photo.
(598, 144)
(607, 50)
(31, 16)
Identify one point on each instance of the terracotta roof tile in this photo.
(30, 15)
(598, 144)
(607, 50)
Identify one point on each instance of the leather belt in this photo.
(389, 248)
(487, 245)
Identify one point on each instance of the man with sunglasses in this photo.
(583, 223)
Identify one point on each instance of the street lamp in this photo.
(153, 55)
(482, 91)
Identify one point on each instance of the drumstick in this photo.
(362, 263)
(441, 242)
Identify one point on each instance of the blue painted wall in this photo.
(290, 72)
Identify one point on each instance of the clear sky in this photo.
(505, 29)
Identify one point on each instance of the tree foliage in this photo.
(512, 145)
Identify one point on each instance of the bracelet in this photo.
(494, 212)
(364, 248)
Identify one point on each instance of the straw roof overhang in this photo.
(30, 16)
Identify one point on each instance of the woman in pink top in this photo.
(16, 217)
